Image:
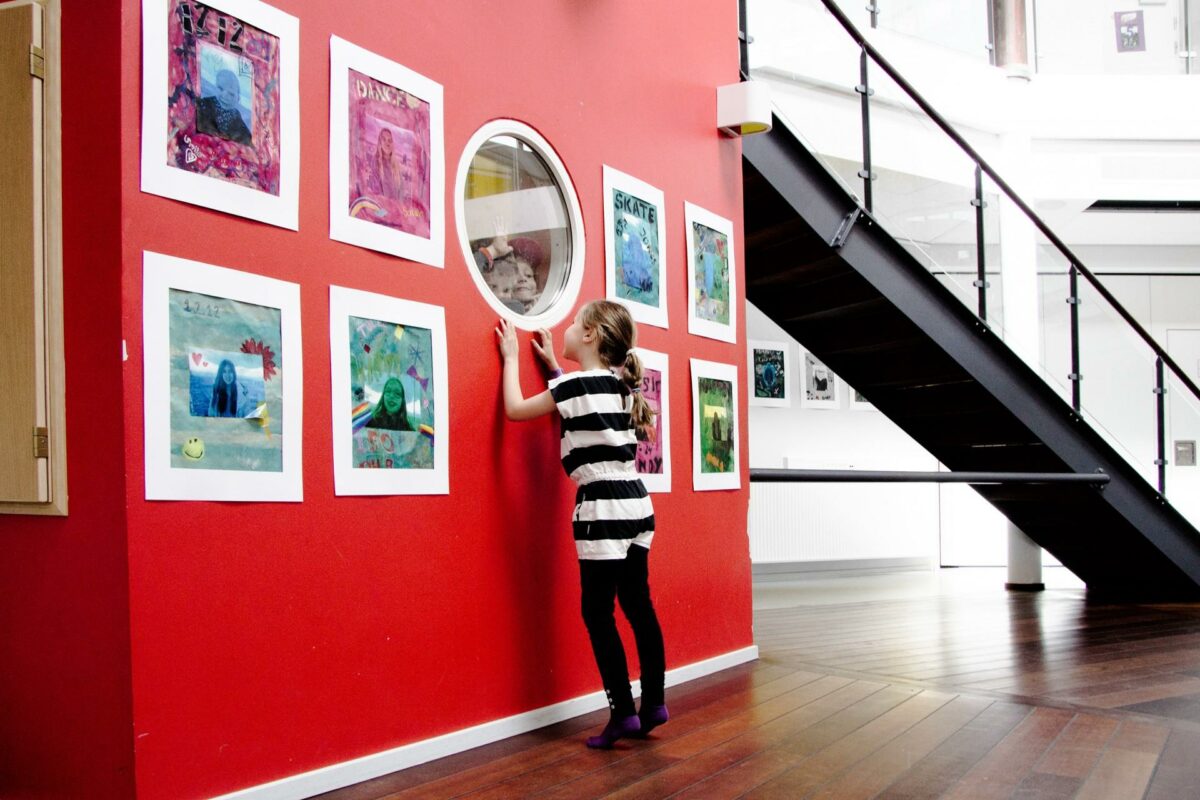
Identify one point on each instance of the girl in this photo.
(602, 412)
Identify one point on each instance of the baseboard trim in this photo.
(800, 570)
(348, 773)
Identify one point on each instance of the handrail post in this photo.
(1076, 377)
(865, 90)
(873, 9)
(1160, 392)
(981, 282)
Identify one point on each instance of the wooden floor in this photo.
(989, 695)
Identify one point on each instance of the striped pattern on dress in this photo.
(612, 508)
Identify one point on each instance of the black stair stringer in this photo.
(936, 370)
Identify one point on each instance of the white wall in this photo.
(1079, 37)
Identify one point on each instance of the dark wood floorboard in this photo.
(1015, 696)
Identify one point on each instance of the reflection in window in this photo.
(517, 224)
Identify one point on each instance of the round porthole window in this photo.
(519, 223)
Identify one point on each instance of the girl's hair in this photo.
(616, 335)
(224, 397)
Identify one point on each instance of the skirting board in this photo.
(805, 570)
(347, 773)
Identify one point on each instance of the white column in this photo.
(1018, 270)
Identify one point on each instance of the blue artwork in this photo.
(635, 228)
(226, 375)
(392, 395)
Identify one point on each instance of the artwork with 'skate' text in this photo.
(654, 453)
(221, 107)
(224, 98)
(634, 233)
(386, 156)
(390, 416)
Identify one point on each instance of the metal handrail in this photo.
(889, 476)
(949, 130)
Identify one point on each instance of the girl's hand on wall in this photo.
(506, 340)
(545, 348)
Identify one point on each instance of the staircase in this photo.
(836, 281)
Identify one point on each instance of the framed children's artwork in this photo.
(387, 161)
(771, 368)
(712, 275)
(390, 395)
(635, 272)
(819, 386)
(654, 455)
(221, 107)
(715, 461)
(223, 383)
(857, 401)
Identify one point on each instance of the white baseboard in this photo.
(347, 773)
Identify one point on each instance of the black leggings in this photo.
(628, 580)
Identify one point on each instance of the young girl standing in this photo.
(603, 412)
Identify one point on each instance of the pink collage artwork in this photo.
(389, 141)
(223, 102)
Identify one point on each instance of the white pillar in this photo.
(1018, 270)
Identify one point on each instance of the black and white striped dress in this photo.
(612, 509)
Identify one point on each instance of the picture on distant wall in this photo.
(219, 125)
(715, 459)
(771, 367)
(819, 384)
(1131, 31)
(634, 252)
(389, 394)
(386, 160)
(858, 401)
(222, 383)
(712, 275)
(654, 455)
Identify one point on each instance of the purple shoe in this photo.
(651, 718)
(614, 730)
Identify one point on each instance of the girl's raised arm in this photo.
(517, 407)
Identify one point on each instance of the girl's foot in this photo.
(614, 730)
(651, 717)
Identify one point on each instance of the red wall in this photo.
(270, 639)
(65, 705)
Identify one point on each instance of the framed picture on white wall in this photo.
(857, 401)
(771, 372)
(819, 386)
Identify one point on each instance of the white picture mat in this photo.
(158, 177)
(615, 180)
(788, 378)
(660, 362)
(834, 381)
(344, 56)
(707, 481)
(703, 327)
(162, 273)
(343, 304)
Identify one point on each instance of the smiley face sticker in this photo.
(193, 449)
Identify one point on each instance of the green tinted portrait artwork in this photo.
(710, 274)
(770, 381)
(635, 231)
(226, 378)
(392, 395)
(715, 409)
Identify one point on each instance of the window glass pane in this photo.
(517, 223)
